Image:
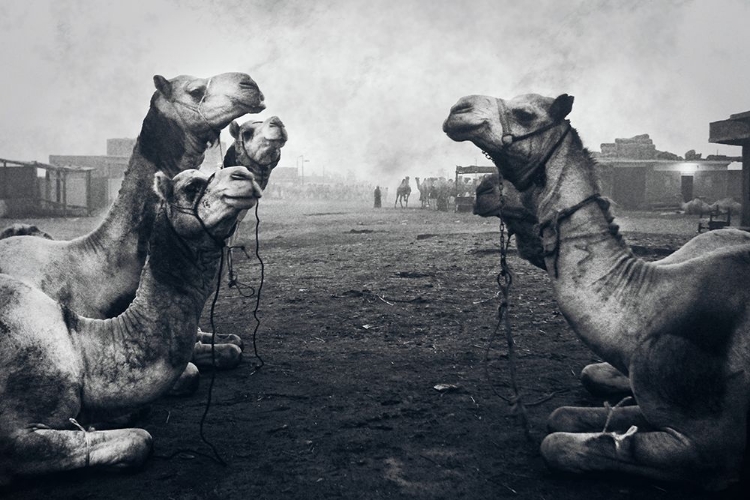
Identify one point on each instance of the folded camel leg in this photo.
(220, 356)
(579, 419)
(664, 455)
(188, 382)
(603, 379)
(41, 451)
(221, 338)
(710, 455)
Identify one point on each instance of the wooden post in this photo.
(65, 193)
(736, 132)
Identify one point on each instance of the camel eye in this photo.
(197, 92)
(193, 188)
(247, 135)
(523, 115)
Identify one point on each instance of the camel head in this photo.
(206, 207)
(202, 107)
(257, 146)
(519, 220)
(516, 134)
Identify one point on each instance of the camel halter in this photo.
(553, 223)
(508, 138)
(199, 109)
(194, 211)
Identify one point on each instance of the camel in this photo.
(600, 379)
(402, 193)
(424, 191)
(520, 222)
(64, 371)
(97, 274)
(680, 329)
(257, 146)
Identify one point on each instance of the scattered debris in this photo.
(446, 387)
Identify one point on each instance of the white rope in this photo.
(86, 437)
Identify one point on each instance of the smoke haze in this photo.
(363, 86)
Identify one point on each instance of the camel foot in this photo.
(587, 452)
(578, 419)
(603, 379)
(221, 338)
(42, 451)
(662, 455)
(225, 356)
(188, 382)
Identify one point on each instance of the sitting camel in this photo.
(601, 379)
(64, 371)
(97, 274)
(402, 193)
(257, 146)
(680, 329)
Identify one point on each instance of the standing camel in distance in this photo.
(402, 193)
(64, 371)
(679, 329)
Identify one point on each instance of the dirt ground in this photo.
(363, 312)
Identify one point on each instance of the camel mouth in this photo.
(241, 202)
(457, 129)
(256, 107)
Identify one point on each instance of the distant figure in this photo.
(377, 196)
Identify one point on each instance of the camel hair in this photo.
(680, 330)
(19, 229)
(402, 193)
(66, 371)
(97, 274)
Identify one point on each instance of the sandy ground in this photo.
(363, 313)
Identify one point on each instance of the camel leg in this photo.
(665, 455)
(603, 379)
(577, 419)
(221, 338)
(41, 451)
(225, 356)
(188, 382)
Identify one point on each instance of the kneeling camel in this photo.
(679, 329)
(62, 371)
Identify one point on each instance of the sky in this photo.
(364, 86)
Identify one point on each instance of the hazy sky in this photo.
(365, 85)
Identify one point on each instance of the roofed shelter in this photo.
(62, 190)
(736, 132)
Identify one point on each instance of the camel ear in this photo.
(234, 129)
(561, 107)
(163, 86)
(163, 186)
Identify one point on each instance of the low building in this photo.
(636, 175)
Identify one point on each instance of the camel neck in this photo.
(136, 356)
(161, 145)
(595, 276)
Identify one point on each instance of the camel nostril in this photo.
(461, 107)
